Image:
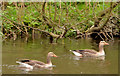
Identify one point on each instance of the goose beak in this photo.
(55, 55)
(106, 43)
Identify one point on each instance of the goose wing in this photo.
(38, 62)
(89, 51)
(32, 62)
(85, 51)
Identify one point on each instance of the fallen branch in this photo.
(49, 33)
(103, 13)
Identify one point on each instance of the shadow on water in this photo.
(66, 63)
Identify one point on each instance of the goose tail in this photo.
(76, 53)
(18, 62)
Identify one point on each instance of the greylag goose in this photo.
(37, 64)
(89, 52)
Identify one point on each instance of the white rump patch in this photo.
(24, 65)
(76, 53)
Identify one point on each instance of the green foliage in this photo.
(31, 15)
(71, 33)
(1, 34)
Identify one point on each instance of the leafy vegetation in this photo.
(58, 20)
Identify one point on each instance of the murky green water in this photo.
(66, 63)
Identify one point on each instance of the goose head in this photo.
(102, 43)
(51, 54)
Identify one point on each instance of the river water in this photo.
(65, 63)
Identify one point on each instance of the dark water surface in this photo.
(66, 63)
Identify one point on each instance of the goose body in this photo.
(90, 52)
(37, 64)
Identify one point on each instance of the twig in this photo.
(100, 36)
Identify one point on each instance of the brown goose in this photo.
(89, 52)
(37, 64)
